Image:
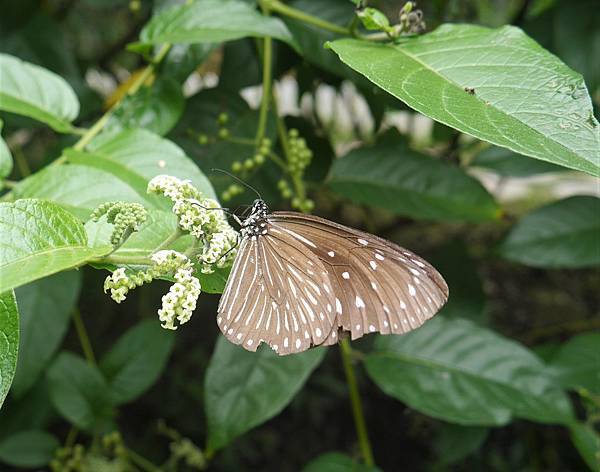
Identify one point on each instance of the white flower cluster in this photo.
(202, 218)
(180, 302)
(120, 282)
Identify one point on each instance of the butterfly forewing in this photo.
(378, 286)
(300, 280)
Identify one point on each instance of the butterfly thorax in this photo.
(255, 224)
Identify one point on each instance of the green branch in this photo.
(266, 90)
(281, 8)
(84, 339)
(357, 411)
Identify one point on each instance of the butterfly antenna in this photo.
(245, 184)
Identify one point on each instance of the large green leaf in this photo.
(390, 175)
(45, 307)
(577, 363)
(39, 239)
(9, 341)
(147, 155)
(78, 391)
(465, 374)
(495, 84)
(31, 448)
(455, 442)
(134, 363)
(244, 389)
(562, 234)
(211, 21)
(30, 90)
(155, 108)
(337, 462)
(77, 188)
(587, 442)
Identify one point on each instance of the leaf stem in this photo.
(84, 339)
(175, 235)
(142, 462)
(266, 89)
(357, 411)
(277, 6)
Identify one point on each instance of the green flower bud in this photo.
(248, 164)
(223, 118)
(223, 133)
(293, 133)
(259, 159)
(202, 139)
(296, 203)
(236, 166)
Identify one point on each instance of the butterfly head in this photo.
(254, 225)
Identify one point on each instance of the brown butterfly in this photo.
(300, 281)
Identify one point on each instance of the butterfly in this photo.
(300, 281)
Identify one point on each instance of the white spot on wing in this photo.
(359, 302)
(298, 343)
(363, 242)
(412, 291)
(373, 265)
(371, 328)
(346, 275)
(331, 254)
(379, 256)
(318, 332)
(338, 306)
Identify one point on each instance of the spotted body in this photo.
(300, 281)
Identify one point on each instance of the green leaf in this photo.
(212, 21)
(459, 372)
(506, 163)
(40, 239)
(45, 307)
(336, 462)
(9, 341)
(155, 108)
(147, 155)
(244, 389)
(495, 84)
(76, 188)
(6, 161)
(373, 19)
(135, 362)
(587, 442)
(455, 442)
(577, 363)
(389, 175)
(562, 234)
(78, 391)
(30, 448)
(30, 90)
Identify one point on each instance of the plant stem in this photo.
(21, 162)
(357, 411)
(266, 89)
(116, 259)
(142, 462)
(71, 436)
(84, 339)
(277, 6)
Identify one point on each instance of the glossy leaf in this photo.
(135, 362)
(389, 175)
(30, 90)
(495, 84)
(45, 308)
(465, 374)
(39, 239)
(78, 391)
(506, 163)
(577, 363)
(455, 442)
(562, 234)
(587, 442)
(337, 462)
(31, 448)
(9, 341)
(244, 389)
(76, 188)
(155, 108)
(211, 21)
(146, 155)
